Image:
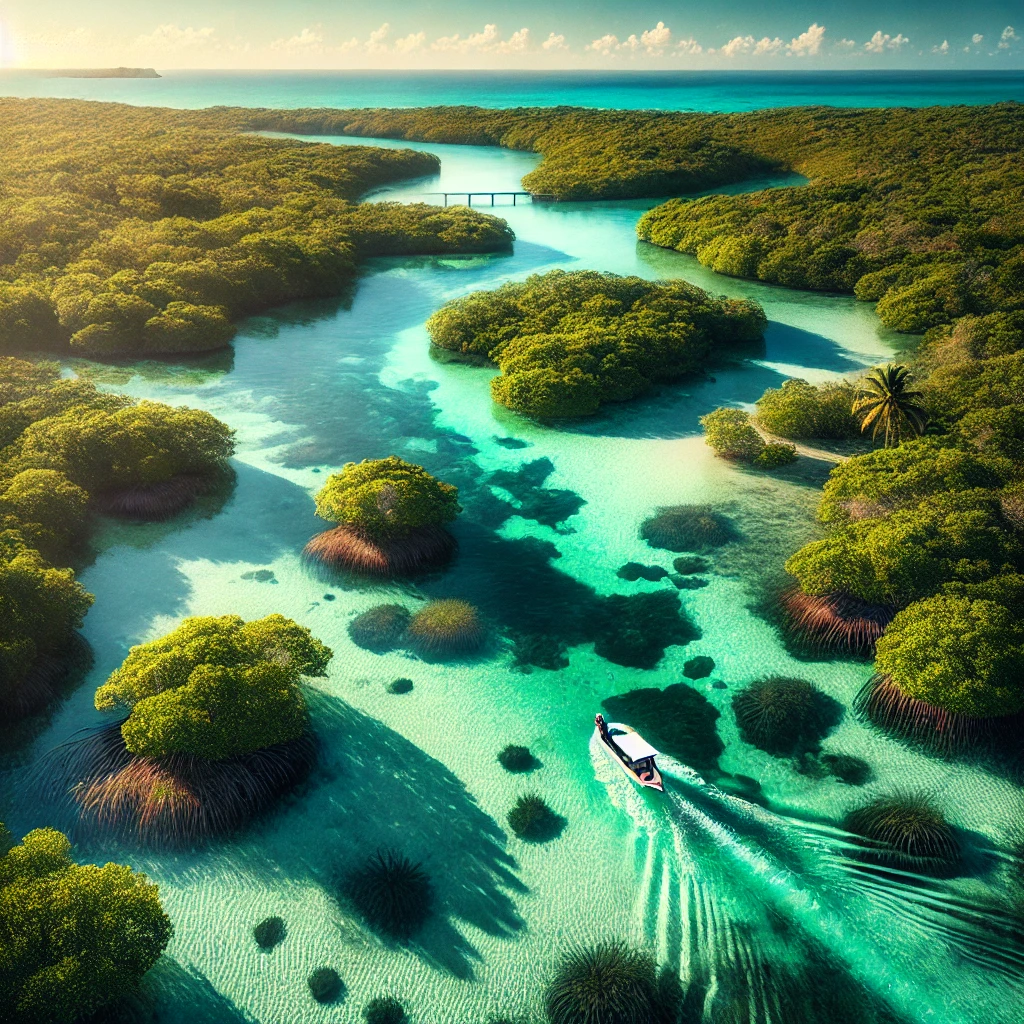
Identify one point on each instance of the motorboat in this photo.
(630, 751)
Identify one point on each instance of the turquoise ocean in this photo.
(743, 899)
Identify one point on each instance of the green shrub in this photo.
(959, 654)
(215, 687)
(140, 444)
(801, 410)
(772, 456)
(729, 433)
(76, 937)
(387, 498)
(912, 552)
(567, 342)
(907, 831)
(446, 628)
(40, 606)
(889, 478)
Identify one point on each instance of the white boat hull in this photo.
(654, 781)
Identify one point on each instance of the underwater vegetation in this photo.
(608, 983)
(400, 685)
(549, 506)
(567, 342)
(678, 720)
(381, 628)
(784, 716)
(325, 985)
(384, 1010)
(835, 622)
(269, 932)
(392, 894)
(533, 820)
(391, 517)
(699, 668)
(634, 631)
(514, 758)
(907, 831)
(445, 629)
(697, 528)
(633, 571)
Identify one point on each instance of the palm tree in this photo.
(887, 402)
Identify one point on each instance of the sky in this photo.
(531, 34)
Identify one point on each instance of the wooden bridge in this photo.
(536, 197)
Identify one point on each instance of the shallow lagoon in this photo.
(717, 885)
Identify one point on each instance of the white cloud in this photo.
(881, 41)
(977, 38)
(943, 48)
(171, 38)
(808, 43)
(410, 43)
(516, 43)
(554, 42)
(309, 40)
(767, 45)
(689, 46)
(737, 45)
(845, 44)
(604, 45)
(376, 43)
(1008, 36)
(654, 40)
(485, 40)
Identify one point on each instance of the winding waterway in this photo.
(719, 887)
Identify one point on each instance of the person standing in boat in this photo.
(602, 727)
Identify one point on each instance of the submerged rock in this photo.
(699, 667)
(687, 565)
(633, 571)
(688, 582)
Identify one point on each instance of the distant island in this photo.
(82, 72)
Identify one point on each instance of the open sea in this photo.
(655, 90)
(750, 902)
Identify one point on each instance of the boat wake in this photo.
(768, 921)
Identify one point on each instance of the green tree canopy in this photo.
(73, 937)
(912, 552)
(140, 444)
(801, 410)
(215, 687)
(965, 656)
(893, 477)
(387, 498)
(47, 509)
(566, 342)
(889, 405)
(39, 607)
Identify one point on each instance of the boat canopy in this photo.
(634, 746)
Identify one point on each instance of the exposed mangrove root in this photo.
(153, 501)
(836, 622)
(887, 706)
(420, 550)
(181, 799)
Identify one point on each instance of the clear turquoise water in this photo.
(665, 90)
(716, 886)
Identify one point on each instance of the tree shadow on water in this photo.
(376, 790)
